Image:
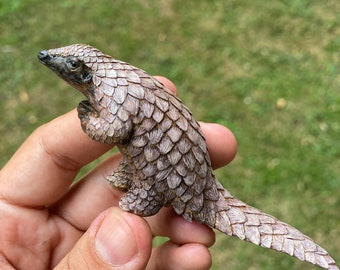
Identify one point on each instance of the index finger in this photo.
(43, 168)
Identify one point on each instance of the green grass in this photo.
(269, 70)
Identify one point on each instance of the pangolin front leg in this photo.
(165, 157)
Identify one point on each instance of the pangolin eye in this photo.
(73, 63)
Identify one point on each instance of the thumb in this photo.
(115, 240)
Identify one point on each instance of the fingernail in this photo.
(115, 241)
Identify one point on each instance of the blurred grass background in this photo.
(269, 70)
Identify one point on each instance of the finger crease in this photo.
(61, 161)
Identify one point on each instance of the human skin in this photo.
(46, 223)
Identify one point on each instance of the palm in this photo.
(29, 236)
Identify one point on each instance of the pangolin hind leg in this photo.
(141, 199)
(122, 176)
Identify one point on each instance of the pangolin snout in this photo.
(43, 56)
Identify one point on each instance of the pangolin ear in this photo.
(87, 77)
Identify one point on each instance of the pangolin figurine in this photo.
(165, 157)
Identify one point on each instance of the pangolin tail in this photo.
(235, 218)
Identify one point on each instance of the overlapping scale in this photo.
(166, 153)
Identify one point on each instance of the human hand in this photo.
(46, 224)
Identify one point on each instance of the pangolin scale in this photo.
(165, 157)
